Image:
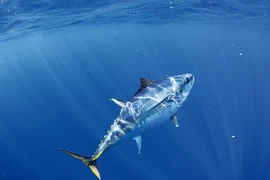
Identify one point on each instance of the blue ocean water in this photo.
(61, 61)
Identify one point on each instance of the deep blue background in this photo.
(55, 88)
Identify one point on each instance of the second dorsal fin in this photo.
(144, 83)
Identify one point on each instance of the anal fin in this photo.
(138, 140)
(174, 119)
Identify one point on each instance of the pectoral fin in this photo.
(174, 119)
(119, 102)
(138, 140)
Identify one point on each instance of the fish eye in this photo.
(187, 80)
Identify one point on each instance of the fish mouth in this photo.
(191, 79)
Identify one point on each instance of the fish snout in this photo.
(189, 78)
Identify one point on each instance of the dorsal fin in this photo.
(144, 83)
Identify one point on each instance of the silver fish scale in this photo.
(147, 99)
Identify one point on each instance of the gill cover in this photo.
(88, 161)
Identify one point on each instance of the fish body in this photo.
(152, 105)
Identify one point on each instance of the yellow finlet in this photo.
(97, 155)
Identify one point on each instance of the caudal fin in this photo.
(92, 164)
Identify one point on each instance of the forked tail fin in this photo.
(88, 161)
